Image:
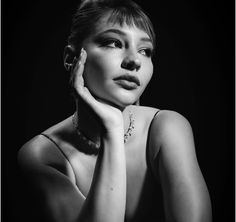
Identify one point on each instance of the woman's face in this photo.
(118, 66)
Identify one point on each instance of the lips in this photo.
(127, 81)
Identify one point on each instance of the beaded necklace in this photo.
(89, 142)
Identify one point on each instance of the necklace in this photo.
(89, 142)
(130, 128)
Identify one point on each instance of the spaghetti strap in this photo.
(155, 115)
(149, 165)
(59, 148)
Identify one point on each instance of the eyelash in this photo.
(109, 43)
(115, 43)
(148, 52)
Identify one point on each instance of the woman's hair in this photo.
(121, 11)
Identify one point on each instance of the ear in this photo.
(69, 57)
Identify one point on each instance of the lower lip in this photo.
(127, 84)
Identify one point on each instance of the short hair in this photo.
(90, 12)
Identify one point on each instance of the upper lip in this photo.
(129, 78)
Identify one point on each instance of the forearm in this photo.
(107, 195)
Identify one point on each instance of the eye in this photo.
(111, 43)
(146, 52)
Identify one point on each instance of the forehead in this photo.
(104, 24)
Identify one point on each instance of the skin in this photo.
(128, 44)
(121, 181)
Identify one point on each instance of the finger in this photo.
(82, 91)
(79, 67)
(76, 64)
(79, 70)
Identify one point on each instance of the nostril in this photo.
(131, 64)
(138, 65)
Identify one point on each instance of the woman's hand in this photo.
(110, 116)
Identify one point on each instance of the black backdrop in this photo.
(194, 75)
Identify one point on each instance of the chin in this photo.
(119, 99)
(124, 102)
(119, 103)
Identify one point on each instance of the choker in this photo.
(89, 142)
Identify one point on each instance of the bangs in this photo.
(91, 13)
(130, 17)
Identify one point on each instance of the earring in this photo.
(68, 66)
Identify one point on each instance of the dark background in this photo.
(194, 75)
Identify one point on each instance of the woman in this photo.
(110, 159)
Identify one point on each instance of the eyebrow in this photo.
(119, 32)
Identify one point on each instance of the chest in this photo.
(142, 189)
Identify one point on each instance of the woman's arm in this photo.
(107, 195)
(61, 199)
(186, 198)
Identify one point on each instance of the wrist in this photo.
(114, 132)
(113, 141)
(114, 127)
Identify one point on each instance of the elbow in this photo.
(194, 216)
(201, 212)
(191, 211)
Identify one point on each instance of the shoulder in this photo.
(33, 151)
(170, 132)
(161, 121)
(168, 123)
(43, 148)
(41, 152)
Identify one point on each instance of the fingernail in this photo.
(83, 57)
(81, 52)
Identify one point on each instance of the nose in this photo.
(131, 62)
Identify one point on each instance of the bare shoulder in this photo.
(33, 151)
(38, 150)
(168, 129)
(161, 120)
(42, 151)
(168, 121)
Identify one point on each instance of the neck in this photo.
(88, 124)
(91, 126)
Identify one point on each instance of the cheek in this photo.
(94, 65)
(99, 65)
(94, 70)
(147, 74)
